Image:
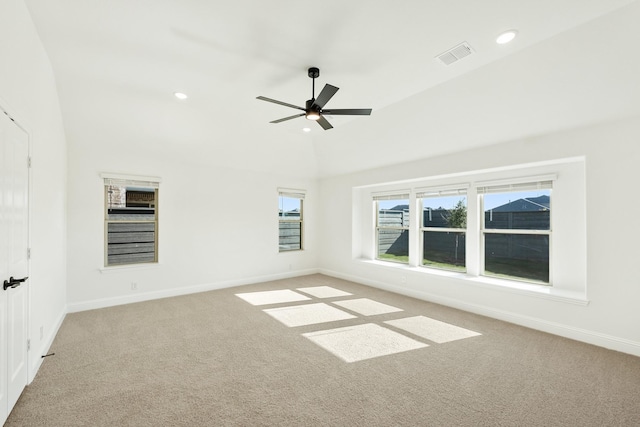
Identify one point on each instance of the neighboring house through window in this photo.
(516, 230)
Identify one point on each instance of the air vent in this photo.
(455, 54)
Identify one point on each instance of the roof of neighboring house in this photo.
(399, 208)
(540, 203)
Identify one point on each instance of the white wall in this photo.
(218, 226)
(580, 77)
(611, 317)
(28, 93)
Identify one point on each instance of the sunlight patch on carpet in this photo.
(361, 342)
(431, 329)
(272, 297)
(367, 307)
(323, 292)
(307, 314)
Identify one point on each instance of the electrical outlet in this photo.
(41, 332)
(403, 279)
(134, 286)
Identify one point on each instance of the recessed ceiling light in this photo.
(180, 95)
(506, 37)
(306, 130)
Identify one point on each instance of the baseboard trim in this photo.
(173, 292)
(36, 360)
(590, 337)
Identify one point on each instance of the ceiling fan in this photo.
(314, 106)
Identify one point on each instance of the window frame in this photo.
(137, 182)
(376, 204)
(568, 253)
(282, 219)
(474, 232)
(515, 185)
(442, 191)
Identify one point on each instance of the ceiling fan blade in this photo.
(324, 123)
(287, 118)
(263, 98)
(348, 112)
(327, 93)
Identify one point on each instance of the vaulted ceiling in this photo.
(117, 64)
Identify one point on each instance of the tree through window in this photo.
(444, 229)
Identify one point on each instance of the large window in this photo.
(516, 230)
(510, 221)
(290, 217)
(525, 229)
(444, 228)
(131, 221)
(392, 227)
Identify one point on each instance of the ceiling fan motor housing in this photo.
(311, 107)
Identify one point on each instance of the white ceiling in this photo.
(118, 62)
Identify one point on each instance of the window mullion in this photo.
(444, 230)
(414, 240)
(516, 231)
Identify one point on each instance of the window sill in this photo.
(541, 291)
(121, 268)
(522, 288)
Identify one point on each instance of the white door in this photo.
(14, 239)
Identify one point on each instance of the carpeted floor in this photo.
(326, 352)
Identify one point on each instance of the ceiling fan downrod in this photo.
(313, 72)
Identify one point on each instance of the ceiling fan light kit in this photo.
(314, 107)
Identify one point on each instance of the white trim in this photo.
(291, 192)
(391, 195)
(120, 176)
(567, 331)
(521, 287)
(516, 181)
(45, 346)
(173, 292)
(128, 267)
(442, 190)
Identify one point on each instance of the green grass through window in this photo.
(394, 258)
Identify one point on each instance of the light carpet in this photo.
(214, 359)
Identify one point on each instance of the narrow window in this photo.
(392, 227)
(516, 231)
(290, 220)
(444, 229)
(131, 221)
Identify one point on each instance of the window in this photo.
(290, 217)
(131, 221)
(516, 230)
(525, 229)
(392, 227)
(444, 228)
(510, 220)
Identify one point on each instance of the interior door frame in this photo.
(20, 123)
